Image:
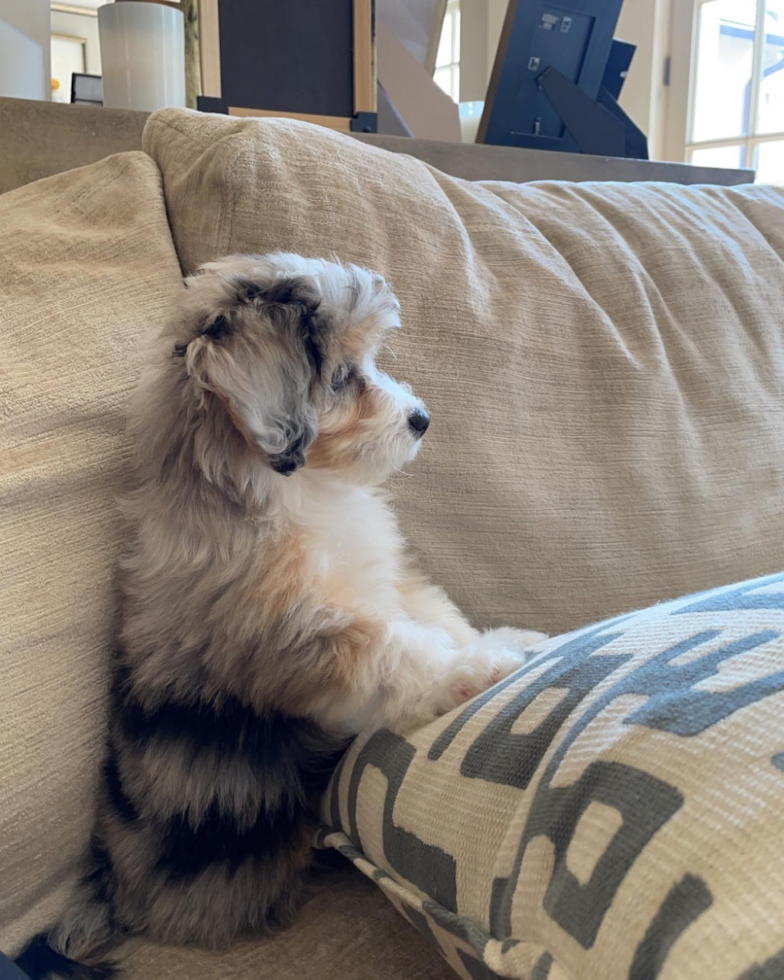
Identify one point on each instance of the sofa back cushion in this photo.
(87, 266)
(603, 362)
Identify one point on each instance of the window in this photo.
(68, 56)
(736, 111)
(75, 44)
(447, 73)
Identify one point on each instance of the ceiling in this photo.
(87, 4)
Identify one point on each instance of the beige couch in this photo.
(605, 371)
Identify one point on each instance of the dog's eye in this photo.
(342, 377)
(217, 329)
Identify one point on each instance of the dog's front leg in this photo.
(351, 671)
(432, 678)
(417, 672)
(426, 603)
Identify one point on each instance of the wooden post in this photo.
(365, 99)
(209, 48)
(190, 11)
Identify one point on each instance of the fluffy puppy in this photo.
(268, 607)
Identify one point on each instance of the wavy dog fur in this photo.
(268, 610)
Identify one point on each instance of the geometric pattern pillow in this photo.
(614, 809)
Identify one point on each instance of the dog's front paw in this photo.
(498, 653)
(507, 637)
(489, 659)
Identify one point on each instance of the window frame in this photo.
(453, 66)
(679, 144)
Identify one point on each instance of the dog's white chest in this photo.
(356, 550)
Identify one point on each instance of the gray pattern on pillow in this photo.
(614, 809)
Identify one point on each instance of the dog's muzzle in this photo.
(291, 459)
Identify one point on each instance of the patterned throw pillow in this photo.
(615, 809)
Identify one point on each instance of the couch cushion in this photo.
(614, 809)
(603, 362)
(87, 266)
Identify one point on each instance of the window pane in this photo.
(456, 36)
(725, 53)
(67, 57)
(456, 83)
(771, 101)
(444, 56)
(730, 157)
(770, 163)
(443, 79)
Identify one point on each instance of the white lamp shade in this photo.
(143, 55)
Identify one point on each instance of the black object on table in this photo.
(556, 80)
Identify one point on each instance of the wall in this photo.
(24, 49)
(81, 25)
(474, 73)
(480, 29)
(646, 23)
(496, 13)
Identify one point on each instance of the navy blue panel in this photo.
(618, 64)
(292, 56)
(8, 971)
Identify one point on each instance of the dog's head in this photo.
(284, 349)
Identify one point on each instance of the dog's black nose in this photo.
(419, 421)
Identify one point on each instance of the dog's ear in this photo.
(262, 364)
(294, 302)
